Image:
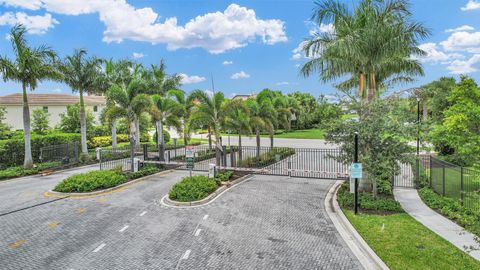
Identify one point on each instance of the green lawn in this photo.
(404, 243)
(295, 134)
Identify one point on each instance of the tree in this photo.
(81, 74)
(186, 103)
(40, 121)
(30, 66)
(166, 111)
(70, 120)
(237, 118)
(372, 45)
(209, 112)
(436, 94)
(4, 127)
(460, 129)
(305, 108)
(326, 112)
(260, 118)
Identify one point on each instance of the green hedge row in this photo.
(197, 187)
(12, 151)
(19, 171)
(103, 141)
(366, 201)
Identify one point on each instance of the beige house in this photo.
(54, 104)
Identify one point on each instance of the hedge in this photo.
(12, 151)
(367, 202)
(102, 141)
(193, 188)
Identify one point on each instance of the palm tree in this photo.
(237, 118)
(81, 74)
(209, 112)
(373, 44)
(186, 103)
(166, 111)
(30, 66)
(262, 115)
(129, 102)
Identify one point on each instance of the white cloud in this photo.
(240, 75)
(226, 62)
(34, 24)
(299, 53)
(137, 55)
(190, 79)
(471, 5)
(216, 32)
(323, 28)
(434, 55)
(464, 67)
(463, 41)
(282, 83)
(461, 28)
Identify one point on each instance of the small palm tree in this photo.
(30, 66)
(262, 115)
(166, 111)
(237, 118)
(209, 112)
(81, 74)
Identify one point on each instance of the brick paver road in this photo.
(268, 222)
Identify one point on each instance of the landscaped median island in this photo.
(397, 238)
(19, 171)
(199, 187)
(99, 180)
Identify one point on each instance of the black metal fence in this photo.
(119, 158)
(455, 182)
(65, 154)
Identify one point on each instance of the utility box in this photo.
(98, 152)
(212, 170)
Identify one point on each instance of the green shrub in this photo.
(91, 181)
(366, 200)
(19, 171)
(12, 151)
(453, 209)
(224, 176)
(193, 188)
(102, 141)
(144, 171)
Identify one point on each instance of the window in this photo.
(95, 108)
(45, 108)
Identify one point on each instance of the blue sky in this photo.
(245, 45)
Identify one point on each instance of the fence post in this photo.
(430, 159)
(289, 166)
(443, 180)
(224, 152)
(99, 157)
(232, 156)
(417, 182)
(461, 186)
(145, 152)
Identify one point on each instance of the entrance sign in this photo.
(356, 170)
(189, 156)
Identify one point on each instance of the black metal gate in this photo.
(287, 161)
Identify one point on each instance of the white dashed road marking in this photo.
(123, 229)
(197, 233)
(143, 213)
(99, 247)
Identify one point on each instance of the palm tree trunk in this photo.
(132, 142)
(185, 135)
(83, 129)
(160, 141)
(271, 140)
(28, 161)
(362, 85)
(257, 133)
(209, 138)
(374, 86)
(218, 148)
(240, 153)
(114, 134)
(370, 94)
(137, 134)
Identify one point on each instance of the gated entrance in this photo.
(295, 162)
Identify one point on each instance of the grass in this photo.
(19, 171)
(404, 243)
(314, 133)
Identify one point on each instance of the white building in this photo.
(54, 104)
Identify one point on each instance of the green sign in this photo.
(356, 170)
(190, 162)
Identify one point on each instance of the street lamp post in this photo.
(418, 142)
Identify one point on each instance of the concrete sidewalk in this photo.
(447, 229)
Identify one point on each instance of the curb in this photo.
(52, 193)
(367, 257)
(165, 201)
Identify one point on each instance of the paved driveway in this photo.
(267, 222)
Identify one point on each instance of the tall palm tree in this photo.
(166, 111)
(237, 118)
(209, 112)
(30, 66)
(373, 44)
(130, 102)
(186, 103)
(261, 118)
(81, 73)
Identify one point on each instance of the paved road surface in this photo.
(268, 222)
(278, 142)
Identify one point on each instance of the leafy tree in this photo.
(186, 103)
(372, 45)
(460, 129)
(40, 121)
(70, 120)
(5, 129)
(306, 108)
(81, 74)
(166, 111)
(381, 132)
(30, 66)
(237, 118)
(436, 95)
(326, 112)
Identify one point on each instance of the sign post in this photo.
(356, 172)
(190, 158)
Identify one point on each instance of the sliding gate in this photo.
(286, 161)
